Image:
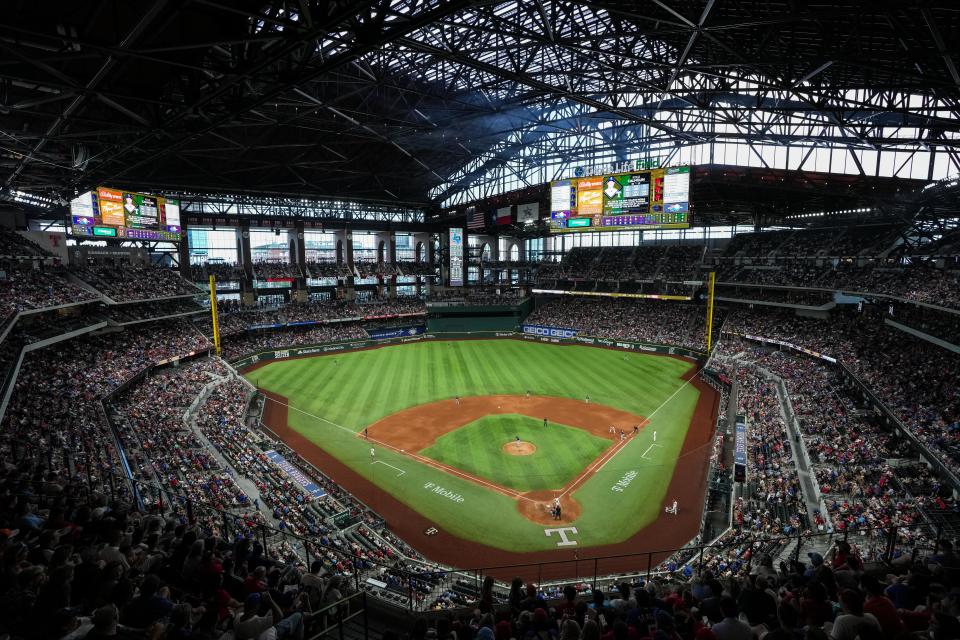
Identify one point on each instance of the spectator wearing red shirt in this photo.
(881, 607)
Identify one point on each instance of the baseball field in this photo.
(479, 440)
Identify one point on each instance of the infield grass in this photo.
(331, 397)
(477, 448)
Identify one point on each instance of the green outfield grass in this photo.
(477, 448)
(334, 396)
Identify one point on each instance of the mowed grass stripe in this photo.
(412, 374)
(478, 448)
(368, 385)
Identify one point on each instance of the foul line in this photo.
(307, 413)
(596, 465)
(649, 417)
(391, 466)
(644, 454)
(427, 461)
(510, 493)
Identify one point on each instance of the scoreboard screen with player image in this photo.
(650, 199)
(114, 213)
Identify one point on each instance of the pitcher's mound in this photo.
(519, 448)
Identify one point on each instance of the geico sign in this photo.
(549, 332)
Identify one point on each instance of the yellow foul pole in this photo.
(711, 279)
(213, 314)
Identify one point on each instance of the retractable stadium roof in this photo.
(422, 101)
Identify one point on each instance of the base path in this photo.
(418, 427)
(644, 549)
(414, 429)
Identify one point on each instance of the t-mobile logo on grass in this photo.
(446, 493)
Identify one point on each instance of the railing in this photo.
(898, 545)
(343, 611)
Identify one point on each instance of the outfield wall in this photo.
(355, 345)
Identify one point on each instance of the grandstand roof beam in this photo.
(941, 45)
(153, 11)
(395, 30)
(526, 80)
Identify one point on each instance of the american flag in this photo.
(475, 218)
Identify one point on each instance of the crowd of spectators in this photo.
(241, 344)
(163, 451)
(55, 404)
(785, 296)
(869, 476)
(143, 311)
(780, 258)
(772, 505)
(415, 268)
(323, 268)
(681, 262)
(275, 270)
(820, 242)
(616, 264)
(918, 283)
(909, 375)
(662, 262)
(823, 597)
(223, 272)
(288, 505)
(622, 319)
(480, 297)
(234, 319)
(25, 286)
(374, 269)
(127, 282)
(16, 246)
(164, 447)
(86, 565)
(939, 324)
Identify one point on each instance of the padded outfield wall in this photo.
(553, 335)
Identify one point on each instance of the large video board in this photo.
(113, 213)
(654, 199)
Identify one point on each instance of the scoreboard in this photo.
(113, 213)
(654, 199)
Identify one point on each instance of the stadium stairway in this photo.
(244, 483)
(797, 446)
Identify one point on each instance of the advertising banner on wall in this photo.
(295, 474)
(456, 257)
(549, 332)
(397, 332)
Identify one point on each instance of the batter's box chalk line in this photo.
(650, 448)
(401, 471)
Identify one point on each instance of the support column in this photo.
(383, 240)
(392, 259)
(494, 244)
(248, 295)
(301, 253)
(298, 257)
(183, 252)
(345, 257)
